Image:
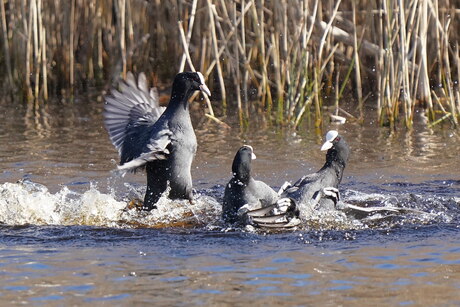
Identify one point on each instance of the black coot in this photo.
(311, 192)
(243, 193)
(161, 140)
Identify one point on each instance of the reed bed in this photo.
(279, 59)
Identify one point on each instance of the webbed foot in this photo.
(138, 204)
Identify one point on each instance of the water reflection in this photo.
(65, 139)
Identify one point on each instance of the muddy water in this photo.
(65, 239)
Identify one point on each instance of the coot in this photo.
(160, 140)
(243, 192)
(311, 192)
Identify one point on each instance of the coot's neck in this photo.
(242, 173)
(179, 98)
(244, 180)
(337, 161)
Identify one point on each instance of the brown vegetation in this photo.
(286, 55)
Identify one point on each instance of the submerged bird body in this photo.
(149, 136)
(243, 191)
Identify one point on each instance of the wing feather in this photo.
(130, 114)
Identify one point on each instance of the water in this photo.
(75, 265)
(66, 240)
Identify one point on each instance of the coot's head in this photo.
(241, 166)
(188, 82)
(337, 148)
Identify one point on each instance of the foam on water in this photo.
(409, 208)
(31, 203)
(27, 202)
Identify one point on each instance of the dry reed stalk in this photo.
(225, 41)
(447, 115)
(28, 52)
(34, 12)
(317, 98)
(122, 38)
(320, 65)
(224, 45)
(44, 65)
(404, 77)
(71, 44)
(90, 11)
(203, 49)
(457, 89)
(438, 101)
(185, 46)
(216, 53)
(256, 47)
(100, 62)
(390, 69)
(192, 67)
(6, 45)
(384, 69)
(424, 82)
(277, 72)
(264, 88)
(337, 96)
(130, 25)
(40, 49)
(238, 80)
(299, 83)
(448, 88)
(189, 32)
(379, 64)
(245, 59)
(357, 65)
(413, 40)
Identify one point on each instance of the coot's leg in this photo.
(156, 185)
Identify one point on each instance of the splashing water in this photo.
(27, 202)
(31, 203)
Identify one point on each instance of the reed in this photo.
(280, 60)
(6, 46)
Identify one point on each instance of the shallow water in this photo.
(66, 240)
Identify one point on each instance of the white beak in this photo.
(203, 86)
(205, 89)
(330, 137)
(327, 145)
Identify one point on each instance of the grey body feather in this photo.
(146, 135)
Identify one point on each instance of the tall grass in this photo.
(279, 59)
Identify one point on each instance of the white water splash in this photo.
(409, 208)
(31, 203)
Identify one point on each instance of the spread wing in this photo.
(130, 117)
(307, 193)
